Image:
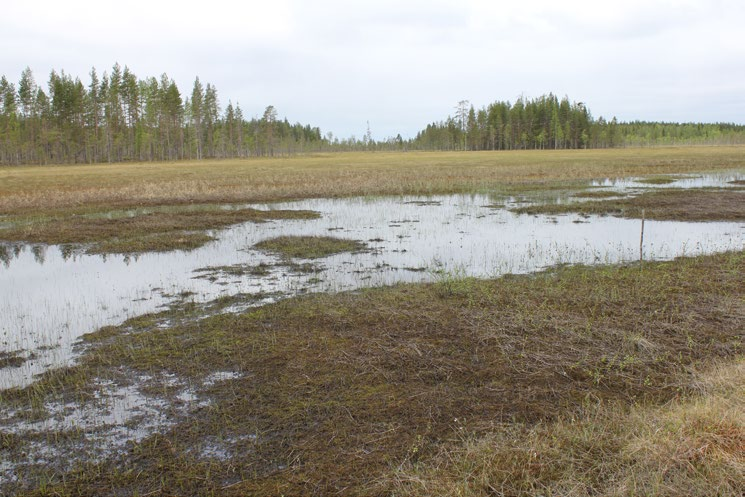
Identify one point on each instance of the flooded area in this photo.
(51, 295)
(684, 181)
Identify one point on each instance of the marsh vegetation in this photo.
(679, 205)
(397, 378)
(602, 376)
(139, 230)
(308, 247)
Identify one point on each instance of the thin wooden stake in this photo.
(641, 241)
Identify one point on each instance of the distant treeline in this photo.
(549, 123)
(118, 117)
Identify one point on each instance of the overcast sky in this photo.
(400, 64)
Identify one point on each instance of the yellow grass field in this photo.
(31, 188)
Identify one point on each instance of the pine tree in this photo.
(197, 99)
(268, 125)
(210, 117)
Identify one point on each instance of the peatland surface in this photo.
(60, 204)
(609, 380)
(620, 380)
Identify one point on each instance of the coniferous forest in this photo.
(548, 122)
(118, 117)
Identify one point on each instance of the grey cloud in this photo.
(403, 64)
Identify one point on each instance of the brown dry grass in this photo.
(693, 446)
(33, 188)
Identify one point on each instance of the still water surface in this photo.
(49, 296)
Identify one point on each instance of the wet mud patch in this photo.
(262, 272)
(110, 417)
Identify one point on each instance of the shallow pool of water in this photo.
(685, 181)
(50, 296)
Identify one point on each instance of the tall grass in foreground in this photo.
(689, 447)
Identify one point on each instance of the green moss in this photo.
(101, 334)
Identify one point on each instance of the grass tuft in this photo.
(13, 359)
(309, 247)
(690, 446)
(659, 180)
